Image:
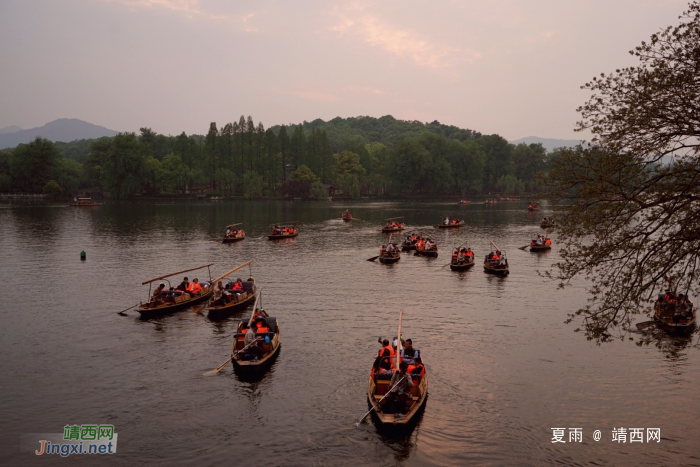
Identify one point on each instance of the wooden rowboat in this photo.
(398, 228)
(670, 315)
(172, 303)
(540, 248)
(462, 265)
(547, 225)
(450, 226)
(249, 361)
(347, 217)
(240, 235)
(379, 385)
(429, 253)
(231, 303)
(85, 203)
(496, 267)
(386, 257)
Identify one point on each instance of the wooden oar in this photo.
(373, 258)
(221, 367)
(642, 326)
(127, 309)
(175, 273)
(380, 401)
(230, 272)
(523, 247)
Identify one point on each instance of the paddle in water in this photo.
(127, 309)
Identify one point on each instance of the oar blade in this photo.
(374, 258)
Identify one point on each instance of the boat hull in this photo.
(148, 312)
(540, 249)
(385, 230)
(408, 248)
(264, 363)
(231, 307)
(429, 254)
(232, 239)
(461, 266)
(547, 226)
(388, 420)
(496, 271)
(450, 226)
(389, 259)
(281, 237)
(673, 322)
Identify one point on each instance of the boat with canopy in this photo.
(171, 300)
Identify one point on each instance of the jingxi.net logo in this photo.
(76, 439)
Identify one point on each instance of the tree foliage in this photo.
(633, 218)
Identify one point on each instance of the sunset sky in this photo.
(509, 67)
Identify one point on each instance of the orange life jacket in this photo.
(470, 253)
(549, 242)
(194, 287)
(237, 286)
(262, 329)
(391, 351)
(454, 256)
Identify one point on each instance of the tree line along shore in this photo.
(355, 157)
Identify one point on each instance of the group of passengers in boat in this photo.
(393, 225)
(233, 233)
(448, 221)
(462, 255)
(233, 289)
(540, 241)
(389, 249)
(257, 340)
(548, 220)
(412, 239)
(193, 289)
(276, 230)
(675, 305)
(495, 259)
(402, 379)
(425, 244)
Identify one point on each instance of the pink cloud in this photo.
(316, 96)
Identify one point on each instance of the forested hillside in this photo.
(359, 156)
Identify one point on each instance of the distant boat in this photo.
(84, 203)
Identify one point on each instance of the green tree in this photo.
(122, 164)
(284, 150)
(631, 219)
(499, 158)
(348, 163)
(305, 175)
(172, 173)
(52, 188)
(318, 190)
(69, 174)
(33, 165)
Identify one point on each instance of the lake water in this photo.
(503, 367)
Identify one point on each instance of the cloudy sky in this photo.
(509, 67)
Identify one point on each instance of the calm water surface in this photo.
(503, 367)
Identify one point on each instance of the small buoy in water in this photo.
(82, 255)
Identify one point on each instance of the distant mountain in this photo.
(549, 144)
(9, 129)
(63, 129)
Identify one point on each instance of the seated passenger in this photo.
(194, 287)
(400, 387)
(261, 326)
(159, 292)
(408, 353)
(184, 285)
(383, 361)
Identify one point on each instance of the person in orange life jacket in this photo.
(251, 341)
(194, 287)
(383, 361)
(238, 286)
(260, 326)
(454, 255)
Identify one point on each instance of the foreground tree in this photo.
(634, 218)
(33, 165)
